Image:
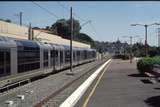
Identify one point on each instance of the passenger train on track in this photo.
(24, 59)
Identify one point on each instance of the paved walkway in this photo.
(122, 86)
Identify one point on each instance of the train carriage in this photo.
(24, 59)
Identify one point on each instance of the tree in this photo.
(76, 27)
(7, 20)
(62, 27)
(138, 49)
(47, 28)
(82, 37)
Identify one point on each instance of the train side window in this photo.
(56, 57)
(52, 57)
(78, 55)
(7, 62)
(67, 56)
(4, 62)
(74, 55)
(61, 56)
(28, 56)
(1, 63)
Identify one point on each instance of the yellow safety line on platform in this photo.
(94, 88)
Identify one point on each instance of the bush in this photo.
(146, 64)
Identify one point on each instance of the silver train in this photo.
(24, 59)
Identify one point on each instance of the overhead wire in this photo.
(51, 13)
(67, 9)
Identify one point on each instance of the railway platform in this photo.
(120, 85)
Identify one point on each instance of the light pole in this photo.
(71, 38)
(146, 28)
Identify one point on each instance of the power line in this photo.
(93, 28)
(62, 6)
(67, 9)
(51, 13)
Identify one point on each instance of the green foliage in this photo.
(146, 64)
(138, 50)
(82, 37)
(153, 51)
(7, 20)
(156, 60)
(62, 28)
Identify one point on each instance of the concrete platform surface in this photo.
(122, 86)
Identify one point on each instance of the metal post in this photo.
(29, 32)
(71, 37)
(71, 52)
(20, 16)
(146, 47)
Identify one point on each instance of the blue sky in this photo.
(110, 20)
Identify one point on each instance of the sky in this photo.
(109, 20)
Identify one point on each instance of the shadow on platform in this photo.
(146, 81)
(137, 75)
(153, 101)
(157, 88)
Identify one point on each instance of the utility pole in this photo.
(71, 37)
(30, 32)
(20, 18)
